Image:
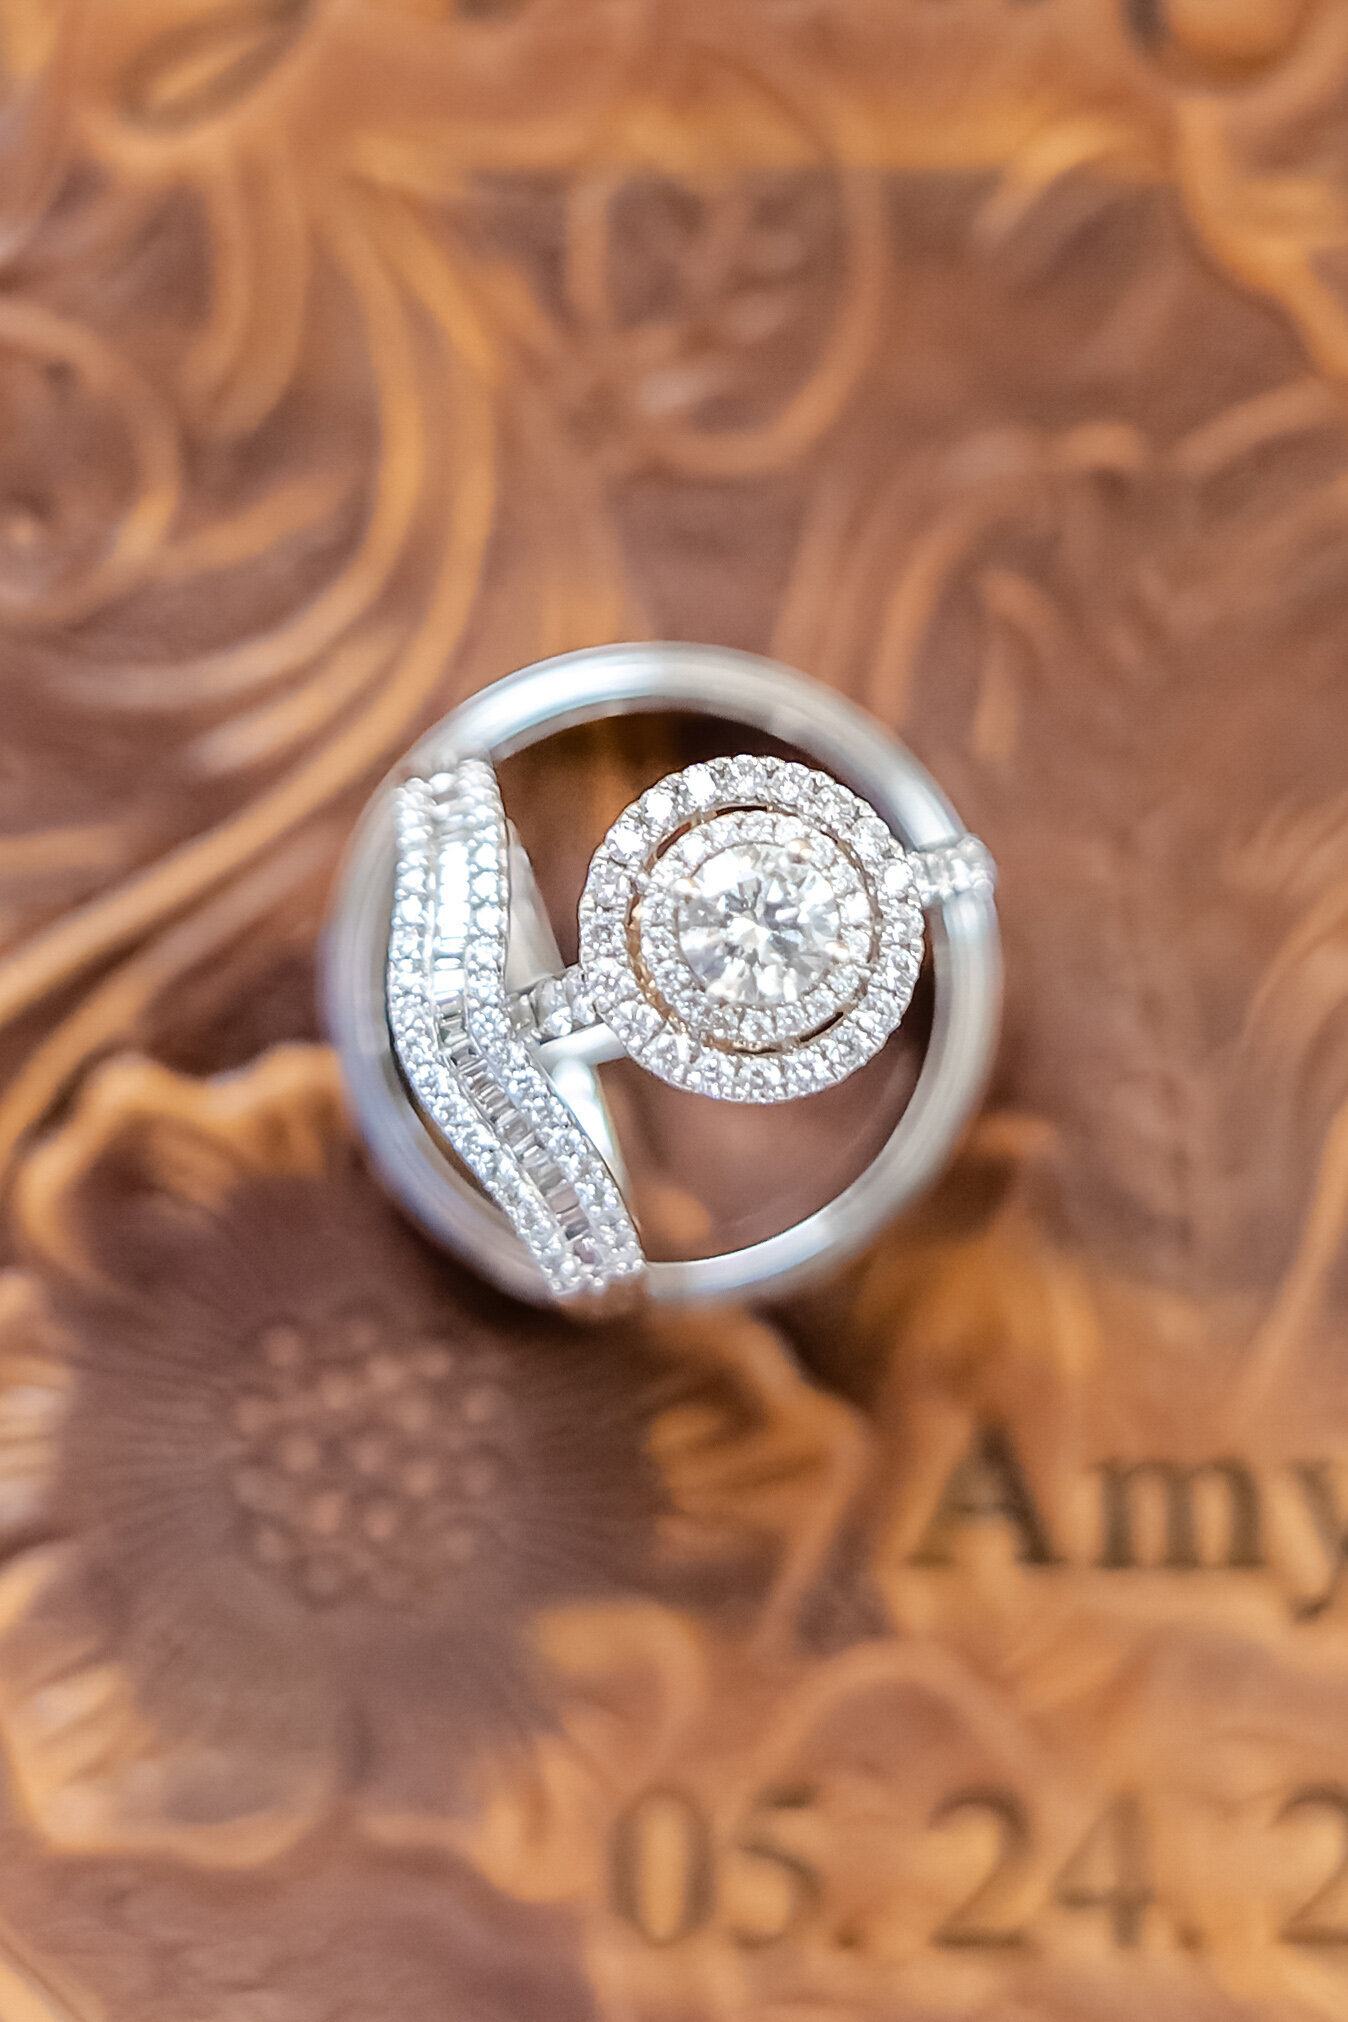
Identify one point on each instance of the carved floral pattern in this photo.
(987, 359)
(265, 1462)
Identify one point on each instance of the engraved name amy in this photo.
(1287, 1523)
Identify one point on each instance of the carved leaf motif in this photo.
(198, 69)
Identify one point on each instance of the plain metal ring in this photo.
(583, 687)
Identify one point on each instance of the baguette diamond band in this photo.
(469, 1071)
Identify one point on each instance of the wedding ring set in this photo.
(751, 930)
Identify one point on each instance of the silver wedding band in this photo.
(422, 1086)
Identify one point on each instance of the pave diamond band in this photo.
(469, 1072)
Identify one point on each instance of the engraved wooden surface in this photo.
(969, 1638)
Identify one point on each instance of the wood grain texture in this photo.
(969, 1637)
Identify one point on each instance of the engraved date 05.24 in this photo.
(674, 1874)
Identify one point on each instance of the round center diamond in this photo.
(758, 925)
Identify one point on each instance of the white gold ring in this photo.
(751, 930)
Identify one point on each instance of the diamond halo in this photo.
(750, 929)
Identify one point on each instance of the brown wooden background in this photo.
(967, 1639)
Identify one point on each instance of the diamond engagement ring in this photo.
(750, 930)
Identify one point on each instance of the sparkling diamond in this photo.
(758, 924)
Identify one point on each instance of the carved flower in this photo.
(282, 1491)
